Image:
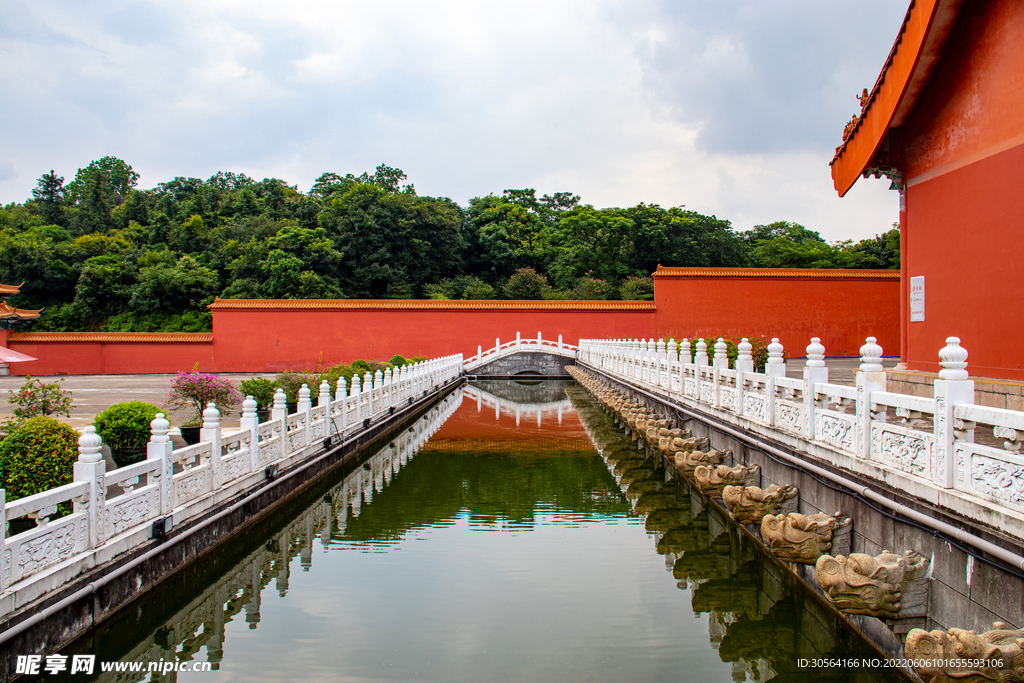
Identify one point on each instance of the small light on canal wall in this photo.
(271, 471)
(162, 526)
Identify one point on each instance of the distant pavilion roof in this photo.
(10, 289)
(427, 305)
(775, 273)
(12, 318)
(911, 60)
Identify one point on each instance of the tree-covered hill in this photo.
(100, 254)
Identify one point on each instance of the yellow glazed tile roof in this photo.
(44, 337)
(426, 305)
(813, 273)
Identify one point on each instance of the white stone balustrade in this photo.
(499, 350)
(112, 512)
(931, 447)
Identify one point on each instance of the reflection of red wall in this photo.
(840, 307)
(964, 143)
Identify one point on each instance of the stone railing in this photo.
(109, 513)
(499, 350)
(944, 449)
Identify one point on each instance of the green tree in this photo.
(51, 198)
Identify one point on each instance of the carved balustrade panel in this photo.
(835, 429)
(131, 509)
(907, 450)
(192, 484)
(789, 416)
(38, 549)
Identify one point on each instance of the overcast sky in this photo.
(728, 108)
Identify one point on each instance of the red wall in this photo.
(274, 340)
(964, 144)
(270, 336)
(842, 312)
(111, 358)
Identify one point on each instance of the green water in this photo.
(505, 548)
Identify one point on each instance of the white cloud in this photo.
(730, 108)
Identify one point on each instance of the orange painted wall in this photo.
(275, 340)
(841, 312)
(964, 143)
(966, 237)
(110, 358)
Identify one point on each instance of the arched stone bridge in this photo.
(522, 358)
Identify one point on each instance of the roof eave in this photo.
(914, 55)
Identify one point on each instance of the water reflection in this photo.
(761, 620)
(386, 576)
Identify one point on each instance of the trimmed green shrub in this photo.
(125, 426)
(397, 359)
(291, 382)
(261, 389)
(37, 456)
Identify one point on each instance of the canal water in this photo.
(511, 534)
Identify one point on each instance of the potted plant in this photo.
(262, 390)
(194, 390)
(125, 428)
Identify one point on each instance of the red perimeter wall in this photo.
(841, 307)
(964, 147)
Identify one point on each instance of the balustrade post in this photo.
(368, 390)
(3, 534)
(304, 407)
(815, 372)
(211, 432)
(540, 339)
(701, 357)
(341, 395)
(560, 346)
(324, 400)
(775, 367)
(870, 377)
(250, 423)
(91, 469)
(280, 409)
(159, 448)
(519, 341)
(356, 391)
(952, 387)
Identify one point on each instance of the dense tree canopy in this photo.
(99, 253)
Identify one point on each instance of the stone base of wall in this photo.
(994, 393)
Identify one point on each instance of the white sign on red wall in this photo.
(917, 299)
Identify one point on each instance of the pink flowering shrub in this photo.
(195, 389)
(35, 399)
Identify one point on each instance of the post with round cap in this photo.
(815, 372)
(952, 387)
(775, 367)
(325, 397)
(870, 377)
(211, 433)
(159, 448)
(251, 423)
(305, 408)
(91, 469)
(280, 408)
